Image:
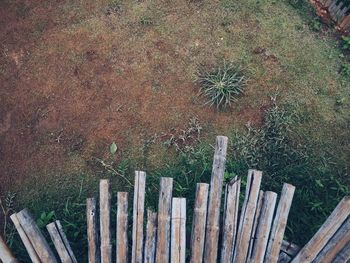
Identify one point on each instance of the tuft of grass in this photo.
(223, 85)
(346, 40)
(345, 70)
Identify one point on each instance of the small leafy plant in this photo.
(345, 70)
(346, 44)
(223, 85)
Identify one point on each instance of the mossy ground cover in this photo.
(78, 76)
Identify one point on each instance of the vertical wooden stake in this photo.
(26, 242)
(36, 238)
(255, 224)
(280, 223)
(151, 234)
(164, 213)
(198, 224)
(105, 221)
(230, 220)
(217, 176)
(247, 216)
(178, 231)
(264, 227)
(6, 255)
(92, 235)
(122, 228)
(138, 214)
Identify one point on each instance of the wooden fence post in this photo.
(217, 176)
(138, 215)
(164, 213)
(178, 231)
(26, 242)
(36, 238)
(122, 228)
(6, 255)
(105, 221)
(247, 216)
(151, 234)
(264, 227)
(230, 221)
(344, 255)
(92, 233)
(255, 224)
(198, 224)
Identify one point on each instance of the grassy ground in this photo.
(79, 75)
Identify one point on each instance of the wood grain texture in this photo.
(6, 255)
(264, 227)
(178, 231)
(198, 223)
(216, 183)
(309, 252)
(343, 255)
(122, 228)
(255, 224)
(289, 248)
(92, 231)
(335, 244)
(280, 223)
(138, 217)
(247, 216)
(151, 235)
(36, 238)
(230, 220)
(105, 221)
(25, 240)
(164, 214)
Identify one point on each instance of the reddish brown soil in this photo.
(65, 94)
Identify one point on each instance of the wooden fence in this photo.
(251, 232)
(339, 11)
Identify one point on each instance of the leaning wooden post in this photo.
(198, 224)
(230, 219)
(309, 252)
(151, 234)
(92, 233)
(60, 242)
(105, 221)
(335, 244)
(36, 238)
(178, 231)
(217, 176)
(344, 255)
(26, 242)
(6, 255)
(122, 228)
(280, 223)
(247, 216)
(264, 227)
(138, 214)
(164, 213)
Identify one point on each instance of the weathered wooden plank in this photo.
(178, 231)
(151, 235)
(255, 224)
(345, 23)
(335, 244)
(280, 223)
(247, 216)
(26, 242)
(217, 176)
(230, 222)
(6, 255)
(344, 255)
(284, 258)
(138, 216)
(92, 232)
(164, 213)
(309, 252)
(264, 227)
(290, 248)
(198, 223)
(59, 244)
(122, 228)
(105, 221)
(36, 238)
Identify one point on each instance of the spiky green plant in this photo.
(223, 85)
